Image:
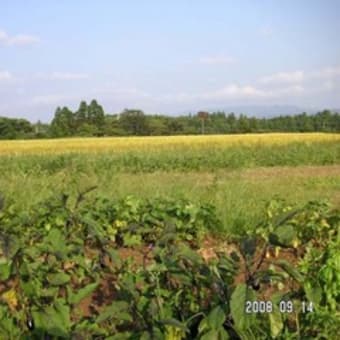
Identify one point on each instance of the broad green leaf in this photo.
(49, 292)
(30, 288)
(57, 243)
(313, 292)
(216, 318)
(285, 217)
(210, 335)
(24, 270)
(132, 240)
(55, 320)
(203, 325)
(58, 279)
(8, 326)
(222, 334)
(94, 228)
(63, 312)
(75, 298)
(88, 327)
(5, 270)
(283, 236)
(289, 269)
(117, 310)
(13, 245)
(238, 300)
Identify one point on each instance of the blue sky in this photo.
(167, 56)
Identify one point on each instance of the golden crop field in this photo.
(121, 144)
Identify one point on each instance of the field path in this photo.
(298, 171)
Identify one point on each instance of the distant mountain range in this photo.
(266, 110)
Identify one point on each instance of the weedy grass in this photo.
(228, 171)
(239, 196)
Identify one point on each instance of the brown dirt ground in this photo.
(210, 248)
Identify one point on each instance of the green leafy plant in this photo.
(132, 269)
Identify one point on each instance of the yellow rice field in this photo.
(120, 144)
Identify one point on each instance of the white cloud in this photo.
(237, 92)
(217, 60)
(3, 36)
(298, 77)
(17, 40)
(23, 39)
(328, 72)
(5, 75)
(283, 77)
(252, 92)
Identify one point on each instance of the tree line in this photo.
(91, 120)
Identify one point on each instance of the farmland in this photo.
(228, 171)
(145, 219)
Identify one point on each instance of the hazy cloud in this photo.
(296, 77)
(328, 72)
(235, 92)
(17, 40)
(5, 75)
(251, 92)
(283, 77)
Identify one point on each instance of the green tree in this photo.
(81, 115)
(96, 117)
(174, 126)
(63, 123)
(112, 126)
(12, 128)
(243, 124)
(134, 122)
(157, 125)
(231, 121)
(41, 130)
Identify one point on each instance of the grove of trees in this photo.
(91, 120)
